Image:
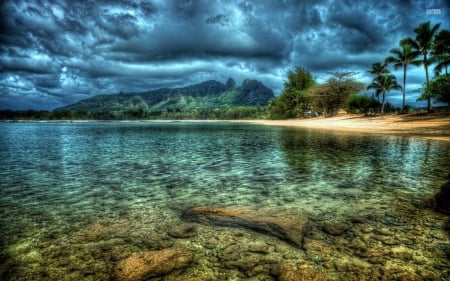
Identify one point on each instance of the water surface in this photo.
(77, 197)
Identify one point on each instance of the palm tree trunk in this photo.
(382, 105)
(425, 63)
(404, 90)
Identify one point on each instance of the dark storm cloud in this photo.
(358, 31)
(27, 64)
(125, 27)
(55, 52)
(220, 19)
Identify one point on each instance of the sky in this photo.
(54, 53)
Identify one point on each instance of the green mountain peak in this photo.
(208, 94)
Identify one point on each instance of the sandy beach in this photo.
(431, 126)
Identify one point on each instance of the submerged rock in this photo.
(186, 278)
(101, 231)
(152, 263)
(335, 228)
(442, 198)
(346, 184)
(303, 274)
(258, 247)
(288, 226)
(411, 277)
(252, 265)
(183, 231)
(314, 246)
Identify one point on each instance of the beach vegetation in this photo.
(390, 108)
(302, 96)
(428, 47)
(223, 113)
(377, 69)
(296, 96)
(382, 84)
(401, 57)
(441, 52)
(424, 43)
(358, 104)
(337, 89)
(438, 89)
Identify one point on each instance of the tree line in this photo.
(429, 46)
(302, 95)
(225, 113)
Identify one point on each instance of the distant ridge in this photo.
(208, 94)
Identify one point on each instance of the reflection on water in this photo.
(365, 161)
(77, 198)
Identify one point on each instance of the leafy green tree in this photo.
(334, 92)
(361, 103)
(401, 58)
(382, 84)
(295, 97)
(423, 42)
(441, 51)
(439, 89)
(62, 115)
(389, 107)
(80, 114)
(8, 114)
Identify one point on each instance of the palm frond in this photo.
(411, 42)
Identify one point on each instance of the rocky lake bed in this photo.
(241, 243)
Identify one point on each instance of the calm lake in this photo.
(77, 198)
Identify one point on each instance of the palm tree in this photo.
(377, 69)
(401, 58)
(424, 44)
(441, 51)
(383, 84)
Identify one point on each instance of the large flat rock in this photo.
(286, 225)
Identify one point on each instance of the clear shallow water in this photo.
(77, 197)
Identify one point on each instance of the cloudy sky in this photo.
(53, 53)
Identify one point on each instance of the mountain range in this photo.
(208, 94)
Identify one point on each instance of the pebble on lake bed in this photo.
(183, 231)
(303, 274)
(335, 228)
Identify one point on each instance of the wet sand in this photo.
(431, 126)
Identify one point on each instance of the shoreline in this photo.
(434, 126)
(428, 126)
